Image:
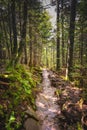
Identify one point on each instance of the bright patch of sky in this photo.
(51, 9)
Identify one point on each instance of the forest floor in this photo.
(17, 98)
(60, 105)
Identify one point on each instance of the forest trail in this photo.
(60, 105)
(47, 108)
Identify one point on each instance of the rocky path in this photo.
(47, 108)
(60, 105)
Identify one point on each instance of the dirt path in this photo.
(47, 109)
(60, 105)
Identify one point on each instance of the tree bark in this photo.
(62, 22)
(31, 46)
(58, 40)
(5, 37)
(71, 37)
(10, 28)
(23, 33)
(81, 46)
(15, 47)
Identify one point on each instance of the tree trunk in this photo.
(81, 46)
(35, 59)
(20, 15)
(71, 37)
(23, 33)
(5, 37)
(15, 47)
(31, 46)
(10, 28)
(62, 22)
(58, 40)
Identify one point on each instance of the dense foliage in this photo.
(17, 88)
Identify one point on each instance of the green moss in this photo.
(79, 127)
(1, 110)
(19, 94)
(58, 92)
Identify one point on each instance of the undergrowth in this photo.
(17, 95)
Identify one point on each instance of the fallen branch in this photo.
(4, 85)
